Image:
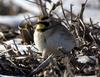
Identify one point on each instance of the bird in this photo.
(50, 35)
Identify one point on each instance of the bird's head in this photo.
(43, 24)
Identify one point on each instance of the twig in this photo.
(70, 12)
(82, 10)
(71, 9)
(91, 22)
(68, 71)
(42, 7)
(15, 45)
(64, 14)
(2, 53)
(41, 66)
(15, 65)
(83, 25)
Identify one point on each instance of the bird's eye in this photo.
(46, 24)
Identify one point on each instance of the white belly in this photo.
(39, 40)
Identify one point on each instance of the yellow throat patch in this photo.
(40, 27)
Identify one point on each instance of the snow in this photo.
(14, 21)
(85, 59)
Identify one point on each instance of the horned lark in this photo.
(50, 34)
